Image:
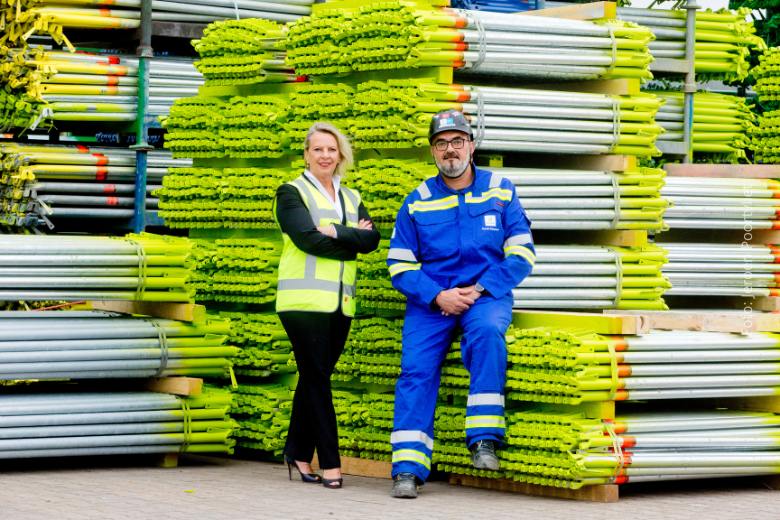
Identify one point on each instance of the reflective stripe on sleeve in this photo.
(524, 252)
(397, 253)
(402, 267)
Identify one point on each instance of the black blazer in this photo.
(295, 220)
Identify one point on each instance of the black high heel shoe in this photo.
(309, 478)
(333, 483)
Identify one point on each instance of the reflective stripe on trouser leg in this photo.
(426, 339)
(483, 348)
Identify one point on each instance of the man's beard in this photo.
(456, 170)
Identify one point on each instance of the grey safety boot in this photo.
(404, 486)
(483, 455)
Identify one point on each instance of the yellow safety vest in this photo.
(313, 283)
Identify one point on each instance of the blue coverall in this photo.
(443, 239)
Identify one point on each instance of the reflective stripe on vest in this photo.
(311, 283)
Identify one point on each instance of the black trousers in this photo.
(317, 339)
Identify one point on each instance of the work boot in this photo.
(404, 486)
(483, 455)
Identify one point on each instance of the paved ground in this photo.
(205, 488)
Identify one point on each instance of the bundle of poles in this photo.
(263, 415)
(97, 345)
(765, 140)
(594, 277)
(396, 114)
(52, 16)
(693, 445)
(721, 203)
(113, 423)
(601, 199)
(239, 52)
(203, 198)
(52, 182)
(566, 367)
(104, 87)
(53, 267)
(391, 35)
(767, 75)
(723, 39)
(722, 270)
(548, 447)
(238, 270)
(507, 119)
(264, 347)
(722, 124)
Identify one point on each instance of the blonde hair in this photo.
(345, 149)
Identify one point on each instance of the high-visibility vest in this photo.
(313, 283)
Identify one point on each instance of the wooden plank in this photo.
(619, 237)
(615, 87)
(168, 460)
(366, 468)
(604, 493)
(360, 467)
(175, 385)
(173, 311)
(618, 323)
(738, 321)
(590, 11)
(753, 171)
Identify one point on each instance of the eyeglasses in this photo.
(456, 143)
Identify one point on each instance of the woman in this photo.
(324, 225)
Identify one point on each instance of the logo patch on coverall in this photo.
(490, 221)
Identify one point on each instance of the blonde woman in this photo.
(324, 226)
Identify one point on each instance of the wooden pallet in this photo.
(706, 320)
(360, 467)
(189, 312)
(179, 385)
(603, 493)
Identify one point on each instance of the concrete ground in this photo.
(206, 488)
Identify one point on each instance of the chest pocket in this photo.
(438, 233)
(486, 225)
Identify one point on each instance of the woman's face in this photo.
(323, 154)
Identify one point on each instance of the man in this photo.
(461, 243)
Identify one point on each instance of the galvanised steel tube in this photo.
(108, 344)
(62, 356)
(108, 429)
(55, 419)
(695, 369)
(8, 369)
(120, 450)
(214, 372)
(85, 406)
(700, 459)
